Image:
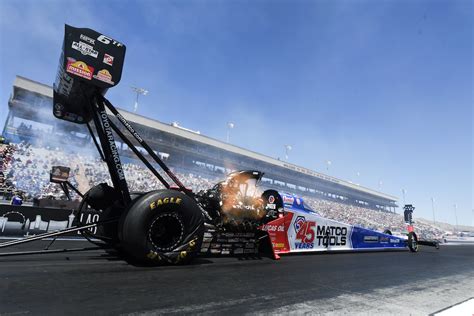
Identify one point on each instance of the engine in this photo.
(239, 203)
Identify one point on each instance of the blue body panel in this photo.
(358, 238)
(363, 238)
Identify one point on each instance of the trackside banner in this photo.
(19, 221)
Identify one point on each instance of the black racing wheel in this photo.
(387, 232)
(100, 203)
(162, 227)
(412, 242)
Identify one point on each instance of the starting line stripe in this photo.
(465, 308)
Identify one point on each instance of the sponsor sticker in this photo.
(394, 241)
(371, 238)
(305, 233)
(104, 75)
(108, 59)
(87, 39)
(273, 228)
(172, 200)
(79, 68)
(271, 199)
(85, 49)
(331, 235)
(288, 200)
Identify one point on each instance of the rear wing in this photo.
(408, 213)
(90, 63)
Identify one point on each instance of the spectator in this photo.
(24, 167)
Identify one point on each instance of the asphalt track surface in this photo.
(369, 283)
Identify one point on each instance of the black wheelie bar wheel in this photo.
(162, 227)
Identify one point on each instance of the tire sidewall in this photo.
(156, 205)
(412, 237)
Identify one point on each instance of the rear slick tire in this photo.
(162, 227)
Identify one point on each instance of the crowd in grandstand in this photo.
(138, 178)
(26, 168)
(6, 157)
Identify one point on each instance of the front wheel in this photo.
(162, 227)
(412, 242)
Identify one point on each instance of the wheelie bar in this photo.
(52, 234)
(430, 243)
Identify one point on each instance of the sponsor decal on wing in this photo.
(87, 39)
(104, 76)
(79, 68)
(85, 49)
(108, 59)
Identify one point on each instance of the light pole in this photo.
(456, 215)
(328, 163)
(380, 184)
(358, 178)
(287, 149)
(433, 207)
(230, 126)
(404, 192)
(138, 91)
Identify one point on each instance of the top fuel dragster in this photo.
(173, 225)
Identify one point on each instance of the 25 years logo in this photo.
(305, 233)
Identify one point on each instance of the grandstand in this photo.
(30, 121)
(39, 141)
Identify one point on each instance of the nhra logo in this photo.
(305, 233)
(298, 223)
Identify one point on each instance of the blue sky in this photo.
(380, 88)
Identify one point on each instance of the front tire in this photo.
(162, 227)
(412, 242)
